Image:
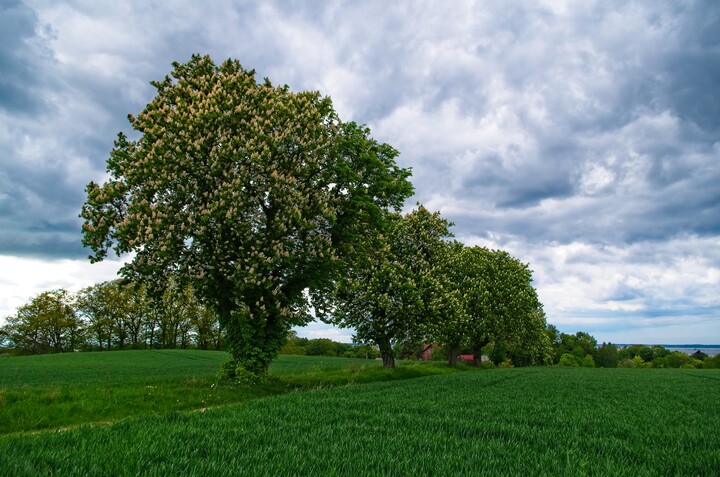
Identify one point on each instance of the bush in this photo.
(712, 362)
(660, 363)
(291, 347)
(569, 360)
(439, 353)
(640, 362)
(506, 364)
(626, 363)
(588, 362)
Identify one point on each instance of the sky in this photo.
(583, 137)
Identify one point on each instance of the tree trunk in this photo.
(477, 351)
(253, 339)
(452, 356)
(386, 351)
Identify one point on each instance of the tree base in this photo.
(236, 373)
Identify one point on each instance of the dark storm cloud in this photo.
(20, 65)
(693, 72)
(620, 103)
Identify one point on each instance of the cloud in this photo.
(24, 278)
(636, 289)
(586, 130)
(318, 329)
(22, 52)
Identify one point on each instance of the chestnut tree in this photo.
(252, 194)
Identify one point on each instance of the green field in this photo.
(524, 421)
(61, 390)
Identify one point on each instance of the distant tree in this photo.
(206, 327)
(639, 362)
(136, 312)
(644, 352)
(569, 359)
(248, 192)
(607, 356)
(588, 362)
(4, 338)
(46, 324)
(412, 350)
(659, 351)
(294, 344)
(677, 359)
(364, 351)
(579, 345)
(321, 347)
(711, 362)
(626, 363)
(177, 311)
(587, 343)
(553, 335)
(115, 313)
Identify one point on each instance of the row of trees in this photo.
(111, 315)
(326, 347)
(412, 285)
(581, 349)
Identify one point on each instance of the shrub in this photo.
(568, 359)
(626, 363)
(588, 362)
(506, 364)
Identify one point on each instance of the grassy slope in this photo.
(532, 421)
(53, 391)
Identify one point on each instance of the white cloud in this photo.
(633, 290)
(23, 278)
(318, 329)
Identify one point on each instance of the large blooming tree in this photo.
(249, 192)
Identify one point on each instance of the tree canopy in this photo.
(384, 292)
(248, 192)
(47, 323)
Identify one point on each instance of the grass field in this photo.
(55, 391)
(524, 421)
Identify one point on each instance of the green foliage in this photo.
(506, 364)
(385, 292)
(326, 347)
(627, 363)
(322, 347)
(607, 356)
(365, 351)
(646, 353)
(568, 359)
(712, 362)
(579, 345)
(529, 421)
(246, 191)
(588, 362)
(46, 324)
(486, 296)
